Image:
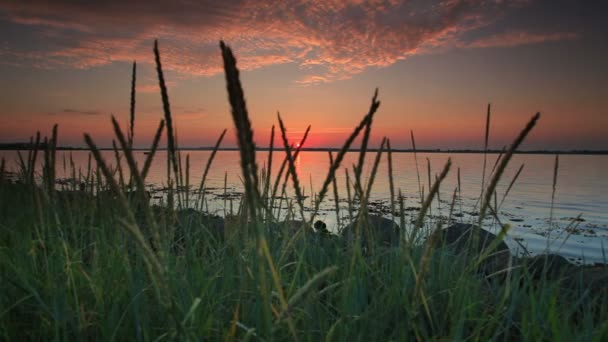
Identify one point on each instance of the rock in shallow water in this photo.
(472, 241)
(383, 231)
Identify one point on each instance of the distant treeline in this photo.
(21, 146)
(42, 145)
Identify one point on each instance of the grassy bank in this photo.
(97, 261)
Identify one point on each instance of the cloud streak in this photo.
(516, 38)
(328, 39)
(70, 111)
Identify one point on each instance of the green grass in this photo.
(104, 264)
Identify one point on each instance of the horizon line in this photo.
(28, 146)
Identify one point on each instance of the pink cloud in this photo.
(338, 39)
(510, 39)
(313, 79)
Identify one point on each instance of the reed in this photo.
(155, 269)
(502, 152)
(503, 165)
(374, 170)
(148, 162)
(292, 166)
(32, 163)
(452, 203)
(401, 213)
(417, 170)
(132, 107)
(50, 163)
(429, 200)
(240, 117)
(391, 182)
(2, 170)
(140, 186)
(485, 152)
(118, 160)
(521, 168)
(201, 187)
(269, 173)
(553, 188)
(332, 170)
(336, 196)
(23, 167)
(363, 150)
(348, 195)
(172, 148)
(428, 173)
(284, 164)
(459, 190)
(279, 176)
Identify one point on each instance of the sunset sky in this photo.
(436, 63)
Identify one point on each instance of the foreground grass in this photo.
(103, 264)
(69, 272)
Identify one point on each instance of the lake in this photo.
(581, 189)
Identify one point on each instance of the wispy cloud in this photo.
(327, 39)
(516, 38)
(77, 112)
(153, 88)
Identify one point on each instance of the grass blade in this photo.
(132, 108)
(292, 166)
(332, 171)
(241, 121)
(208, 166)
(503, 165)
(429, 199)
(417, 169)
(148, 162)
(171, 141)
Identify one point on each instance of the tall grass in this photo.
(105, 263)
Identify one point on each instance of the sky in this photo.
(437, 65)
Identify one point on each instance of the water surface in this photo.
(575, 225)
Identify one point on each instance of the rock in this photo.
(383, 231)
(288, 228)
(320, 226)
(574, 279)
(321, 230)
(552, 265)
(73, 196)
(594, 278)
(459, 238)
(192, 225)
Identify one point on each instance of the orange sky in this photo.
(437, 65)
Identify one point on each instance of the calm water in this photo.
(582, 189)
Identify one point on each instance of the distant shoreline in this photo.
(25, 147)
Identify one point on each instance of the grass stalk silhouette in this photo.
(420, 192)
(485, 152)
(171, 144)
(336, 196)
(201, 187)
(150, 157)
(291, 166)
(503, 165)
(429, 200)
(391, 182)
(340, 155)
(132, 107)
(240, 118)
(513, 180)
